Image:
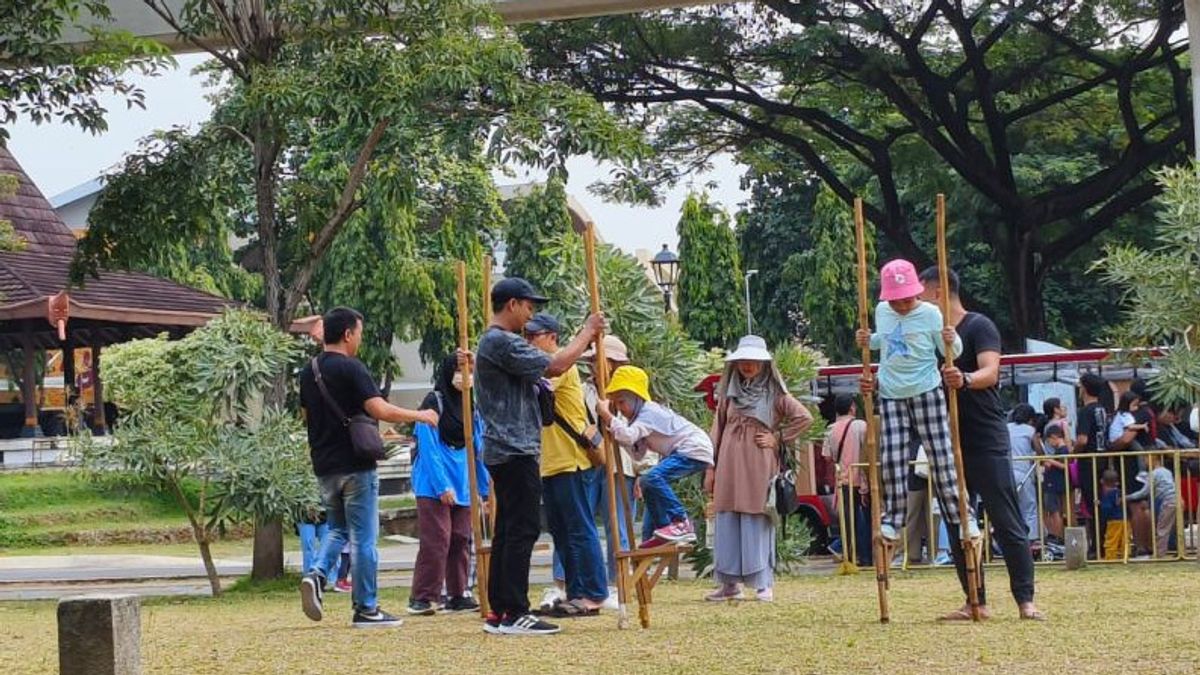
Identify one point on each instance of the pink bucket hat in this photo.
(898, 281)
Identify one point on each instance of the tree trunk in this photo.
(210, 568)
(1028, 312)
(268, 537)
(268, 551)
(1191, 12)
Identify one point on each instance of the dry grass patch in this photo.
(1139, 619)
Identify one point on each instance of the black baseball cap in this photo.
(515, 288)
(543, 322)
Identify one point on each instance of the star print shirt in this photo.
(909, 345)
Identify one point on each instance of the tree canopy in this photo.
(43, 79)
(1045, 118)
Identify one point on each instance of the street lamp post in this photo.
(666, 273)
(749, 319)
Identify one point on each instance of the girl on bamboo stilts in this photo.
(909, 336)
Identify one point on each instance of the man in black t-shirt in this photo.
(987, 464)
(1091, 437)
(349, 483)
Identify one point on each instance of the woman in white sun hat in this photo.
(755, 417)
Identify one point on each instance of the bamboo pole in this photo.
(490, 521)
(849, 563)
(464, 318)
(881, 563)
(964, 506)
(610, 458)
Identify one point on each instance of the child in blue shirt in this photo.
(440, 483)
(910, 335)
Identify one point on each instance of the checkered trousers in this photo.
(925, 416)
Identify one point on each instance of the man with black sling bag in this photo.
(342, 407)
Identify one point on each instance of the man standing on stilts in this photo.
(985, 445)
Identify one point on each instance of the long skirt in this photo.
(744, 549)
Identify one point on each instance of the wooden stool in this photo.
(646, 572)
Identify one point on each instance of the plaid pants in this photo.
(924, 416)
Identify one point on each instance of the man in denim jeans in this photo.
(349, 482)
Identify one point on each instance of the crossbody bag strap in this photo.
(841, 444)
(579, 438)
(337, 409)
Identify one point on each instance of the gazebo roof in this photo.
(35, 290)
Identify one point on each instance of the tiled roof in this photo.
(32, 216)
(42, 269)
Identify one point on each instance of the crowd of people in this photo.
(540, 418)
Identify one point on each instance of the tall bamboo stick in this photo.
(964, 506)
(490, 521)
(464, 344)
(881, 563)
(610, 457)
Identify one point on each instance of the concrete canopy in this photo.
(136, 17)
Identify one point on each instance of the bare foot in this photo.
(1030, 612)
(964, 614)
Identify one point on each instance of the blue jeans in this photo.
(573, 526)
(597, 489)
(311, 535)
(662, 506)
(352, 510)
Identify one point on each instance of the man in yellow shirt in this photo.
(565, 473)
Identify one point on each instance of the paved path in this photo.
(51, 577)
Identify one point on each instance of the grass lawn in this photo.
(1140, 618)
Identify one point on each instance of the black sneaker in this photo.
(463, 604)
(527, 625)
(312, 596)
(421, 608)
(376, 618)
(491, 625)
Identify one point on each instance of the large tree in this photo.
(980, 94)
(334, 107)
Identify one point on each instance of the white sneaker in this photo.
(550, 597)
(613, 601)
(528, 625)
(765, 595)
(888, 532)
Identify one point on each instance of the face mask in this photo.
(457, 381)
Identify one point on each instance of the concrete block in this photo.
(99, 634)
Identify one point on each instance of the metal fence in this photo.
(1077, 509)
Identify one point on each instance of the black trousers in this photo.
(518, 493)
(990, 478)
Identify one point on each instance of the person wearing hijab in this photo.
(440, 483)
(755, 417)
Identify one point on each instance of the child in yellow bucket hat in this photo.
(645, 425)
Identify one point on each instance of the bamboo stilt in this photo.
(970, 554)
(490, 522)
(610, 457)
(848, 566)
(880, 553)
(464, 319)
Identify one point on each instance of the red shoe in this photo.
(343, 586)
(680, 531)
(653, 542)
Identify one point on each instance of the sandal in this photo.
(572, 609)
(1035, 615)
